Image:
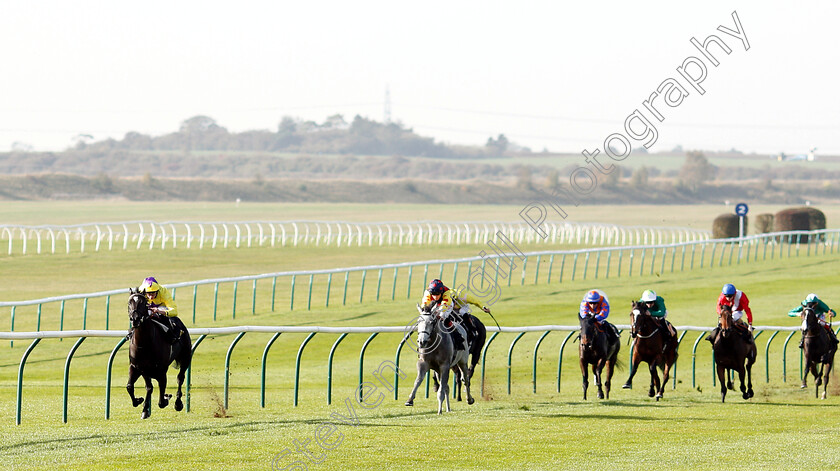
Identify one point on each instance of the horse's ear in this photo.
(131, 291)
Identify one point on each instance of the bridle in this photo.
(587, 341)
(431, 324)
(636, 313)
(135, 313)
(808, 313)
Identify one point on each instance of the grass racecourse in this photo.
(782, 427)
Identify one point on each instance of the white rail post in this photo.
(153, 236)
(189, 235)
(174, 235)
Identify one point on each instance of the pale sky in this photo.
(547, 74)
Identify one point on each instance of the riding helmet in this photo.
(592, 297)
(149, 285)
(649, 296)
(728, 289)
(436, 287)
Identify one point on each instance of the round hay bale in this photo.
(725, 226)
(792, 219)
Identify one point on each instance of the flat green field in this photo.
(782, 427)
(66, 212)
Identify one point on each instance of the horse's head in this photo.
(810, 321)
(725, 319)
(138, 308)
(638, 314)
(588, 331)
(427, 339)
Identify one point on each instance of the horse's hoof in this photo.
(822, 396)
(409, 403)
(459, 399)
(600, 395)
(750, 392)
(658, 397)
(651, 393)
(179, 405)
(746, 395)
(145, 415)
(471, 401)
(163, 403)
(803, 386)
(627, 386)
(138, 401)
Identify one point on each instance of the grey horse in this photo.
(441, 348)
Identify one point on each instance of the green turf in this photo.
(781, 427)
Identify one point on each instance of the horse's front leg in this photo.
(654, 380)
(721, 373)
(163, 399)
(741, 378)
(147, 408)
(133, 375)
(458, 380)
(750, 392)
(443, 392)
(467, 382)
(422, 369)
(825, 380)
(585, 374)
(608, 379)
(666, 375)
(818, 380)
(179, 405)
(597, 368)
(637, 359)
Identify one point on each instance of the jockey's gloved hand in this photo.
(485, 309)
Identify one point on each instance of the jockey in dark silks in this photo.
(595, 303)
(162, 306)
(453, 305)
(821, 309)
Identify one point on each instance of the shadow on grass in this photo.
(58, 358)
(603, 416)
(360, 316)
(215, 429)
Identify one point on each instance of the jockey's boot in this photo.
(614, 335)
(173, 333)
(802, 341)
(832, 335)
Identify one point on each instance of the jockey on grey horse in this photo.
(441, 347)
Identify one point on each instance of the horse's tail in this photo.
(619, 363)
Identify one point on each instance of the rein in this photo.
(640, 336)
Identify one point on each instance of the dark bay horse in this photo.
(653, 345)
(150, 355)
(731, 351)
(818, 349)
(441, 348)
(598, 351)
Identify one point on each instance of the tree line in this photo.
(361, 136)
